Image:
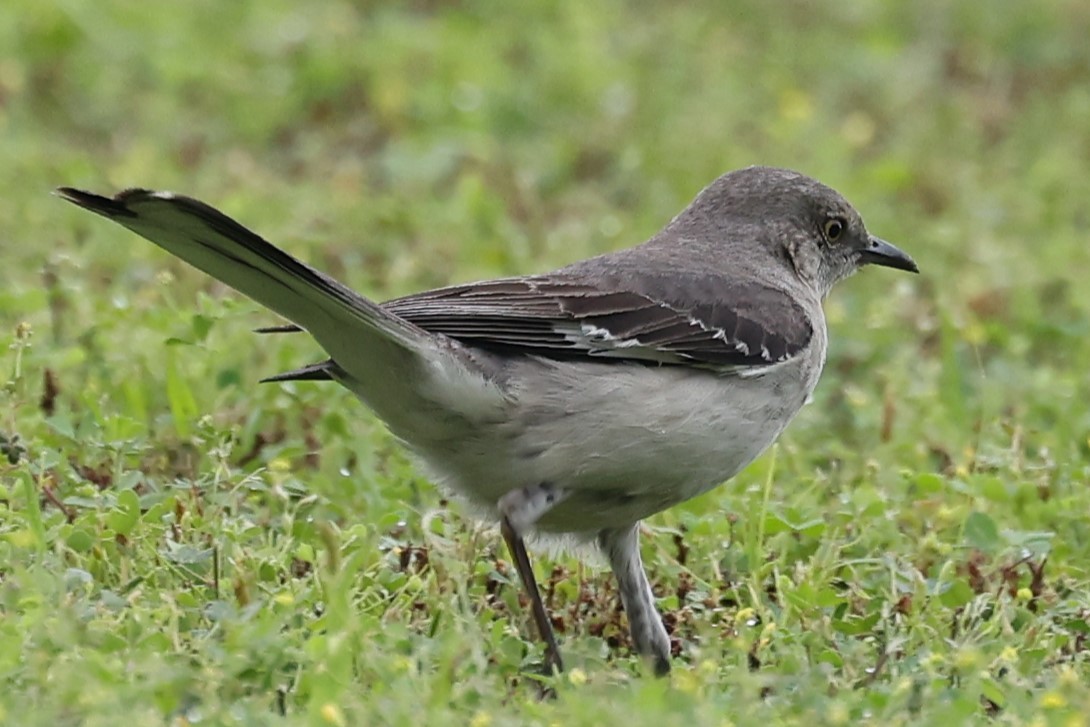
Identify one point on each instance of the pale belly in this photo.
(622, 443)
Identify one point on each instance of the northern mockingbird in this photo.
(580, 401)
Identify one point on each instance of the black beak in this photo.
(880, 252)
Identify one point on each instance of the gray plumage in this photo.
(583, 400)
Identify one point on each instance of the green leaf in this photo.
(80, 540)
(992, 691)
(929, 483)
(183, 407)
(201, 325)
(32, 510)
(956, 594)
(855, 625)
(123, 518)
(187, 554)
(228, 377)
(981, 532)
(1039, 542)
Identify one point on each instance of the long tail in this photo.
(375, 351)
(211, 241)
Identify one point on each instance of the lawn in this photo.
(182, 545)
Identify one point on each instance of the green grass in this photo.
(181, 545)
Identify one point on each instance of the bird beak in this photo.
(880, 252)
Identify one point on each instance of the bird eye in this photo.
(834, 228)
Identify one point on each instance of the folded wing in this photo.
(734, 327)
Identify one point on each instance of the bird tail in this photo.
(375, 351)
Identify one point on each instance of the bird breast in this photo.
(623, 440)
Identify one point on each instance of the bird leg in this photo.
(520, 509)
(622, 547)
(517, 546)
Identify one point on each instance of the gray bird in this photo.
(580, 401)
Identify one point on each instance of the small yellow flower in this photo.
(795, 105)
(974, 333)
(858, 129)
(685, 681)
(332, 714)
(1053, 700)
(838, 714)
(280, 464)
(767, 631)
(856, 397)
(945, 513)
(1024, 594)
(967, 658)
(481, 719)
(577, 677)
(934, 660)
(1068, 677)
(1009, 655)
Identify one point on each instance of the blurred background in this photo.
(400, 146)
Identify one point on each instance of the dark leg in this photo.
(515, 544)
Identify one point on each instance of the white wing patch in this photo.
(597, 340)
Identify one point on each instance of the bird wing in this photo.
(705, 321)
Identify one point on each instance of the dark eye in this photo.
(834, 228)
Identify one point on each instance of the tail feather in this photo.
(398, 369)
(289, 328)
(213, 242)
(314, 372)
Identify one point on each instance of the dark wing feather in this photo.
(285, 328)
(710, 322)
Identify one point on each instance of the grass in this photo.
(181, 545)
